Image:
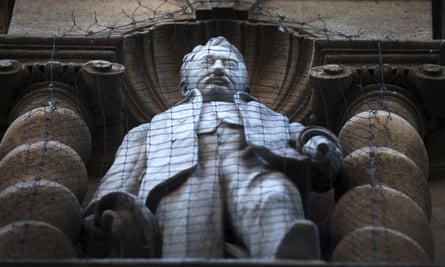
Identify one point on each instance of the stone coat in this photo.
(156, 157)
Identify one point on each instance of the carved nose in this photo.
(218, 68)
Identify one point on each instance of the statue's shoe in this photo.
(301, 242)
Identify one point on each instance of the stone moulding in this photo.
(278, 62)
(358, 53)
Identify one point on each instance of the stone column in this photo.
(384, 209)
(44, 178)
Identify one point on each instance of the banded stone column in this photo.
(384, 209)
(44, 178)
(43, 155)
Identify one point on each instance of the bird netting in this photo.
(216, 137)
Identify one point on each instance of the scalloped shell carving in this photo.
(278, 64)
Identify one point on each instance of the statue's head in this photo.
(217, 69)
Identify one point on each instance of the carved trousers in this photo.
(231, 186)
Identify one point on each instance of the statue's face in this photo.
(217, 72)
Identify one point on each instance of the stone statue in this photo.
(216, 169)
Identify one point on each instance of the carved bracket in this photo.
(91, 89)
(339, 91)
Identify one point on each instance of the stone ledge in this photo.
(192, 262)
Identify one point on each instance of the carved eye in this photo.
(232, 64)
(209, 61)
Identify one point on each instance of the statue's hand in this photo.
(324, 152)
(121, 226)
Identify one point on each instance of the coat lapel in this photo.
(172, 147)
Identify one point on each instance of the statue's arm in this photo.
(129, 164)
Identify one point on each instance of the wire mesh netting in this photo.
(214, 139)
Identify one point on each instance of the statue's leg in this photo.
(266, 209)
(190, 219)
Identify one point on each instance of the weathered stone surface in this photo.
(50, 160)
(395, 100)
(379, 244)
(430, 80)
(388, 167)
(437, 224)
(329, 83)
(235, 4)
(409, 19)
(32, 17)
(44, 124)
(382, 206)
(41, 94)
(41, 200)
(382, 128)
(34, 240)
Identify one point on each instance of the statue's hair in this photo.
(215, 41)
(218, 41)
